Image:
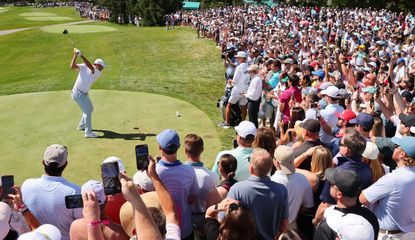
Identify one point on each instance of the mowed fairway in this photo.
(153, 60)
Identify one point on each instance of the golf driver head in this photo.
(65, 31)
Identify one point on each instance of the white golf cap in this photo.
(349, 226)
(5, 212)
(371, 151)
(143, 180)
(97, 187)
(241, 54)
(331, 91)
(112, 159)
(44, 232)
(246, 128)
(99, 61)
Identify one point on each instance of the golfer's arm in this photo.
(88, 64)
(73, 62)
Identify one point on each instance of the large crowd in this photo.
(327, 150)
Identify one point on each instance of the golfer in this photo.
(88, 74)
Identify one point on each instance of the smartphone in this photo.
(74, 201)
(290, 136)
(235, 143)
(109, 173)
(141, 156)
(7, 183)
(313, 105)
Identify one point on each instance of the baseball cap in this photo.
(349, 226)
(143, 180)
(325, 85)
(282, 155)
(363, 119)
(246, 128)
(347, 181)
(99, 61)
(314, 64)
(44, 232)
(346, 115)
(311, 125)
(241, 54)
(288, 61)
(373, 64)
(370, 89)
(401, 60)
(407, 120)
(5, 212)
(407, 144)
(168, 140)
(253, 67)
(343, 93)
(55, 153)
(319, 73)
(331, 91)
(112, 159)
(97, 187)
(371, 151)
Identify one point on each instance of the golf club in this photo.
(66, 32)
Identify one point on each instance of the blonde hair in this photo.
(321, 160)
(376, 168)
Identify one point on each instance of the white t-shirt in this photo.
(85, 78)
(240, 79)
(172, 232)
(299, 192)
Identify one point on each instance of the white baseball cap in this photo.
(143, 180)
(5, 212)
(371, 151)
(349, 226)
(44, 232)
(331, 91)
(112, 159)
(97, 187)
(246, 128)
(100, 62)
(241, 54)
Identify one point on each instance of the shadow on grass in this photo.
(126, 136)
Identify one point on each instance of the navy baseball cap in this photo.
(168, 140)
(363, 119)
(407, 144)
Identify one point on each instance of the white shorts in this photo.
(240, 99)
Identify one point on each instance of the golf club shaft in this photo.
(73, 44)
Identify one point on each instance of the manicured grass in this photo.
(123, 119)
(22, 17)
(172, 63)
(82, 28)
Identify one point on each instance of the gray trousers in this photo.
(84, 102)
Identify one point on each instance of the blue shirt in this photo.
(356, 165)
(45, 197)
(392, 199)
(275, 79)
(267, 200)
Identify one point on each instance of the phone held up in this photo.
(74, 201)
(141, 155)
(109, 174)
(7, 183)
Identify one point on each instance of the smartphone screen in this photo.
(109, 173)
(141, 155)
(7, 183)
(74, 201)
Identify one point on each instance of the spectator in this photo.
(227, 167)
(300, 195)
(45, 196)
(267, 200)
(371, 157)
(390, 197)
(254, 93)
(246, 133)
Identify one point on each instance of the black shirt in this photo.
(306, 164)
(324, 232)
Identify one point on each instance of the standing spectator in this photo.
(254, 94)
(267, 200)
(246, 134)
(227, 167)
(292, 93)
(300, 195)
(391, 197)
(180, 179)
(45, 196)
(328, 114)
(240, 83)
(345, 188)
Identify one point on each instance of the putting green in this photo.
(78, 29)
(30, 122)
(47, 18)
(37, 14)
(3, 9)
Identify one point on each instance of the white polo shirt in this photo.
(240, 79)
(85, 78)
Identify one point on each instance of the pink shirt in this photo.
(286, 97)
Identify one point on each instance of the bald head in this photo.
(261, 162)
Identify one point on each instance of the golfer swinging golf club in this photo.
(88, 74)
